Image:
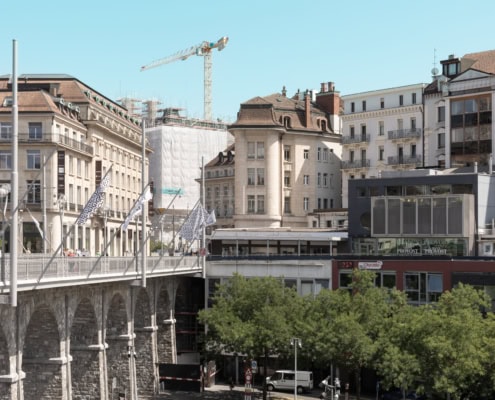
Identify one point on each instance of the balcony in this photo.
(355, 164)
(356, 139)
(403, 160)
(404, 134)
(49, 138)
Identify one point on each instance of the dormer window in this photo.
(323, 125)
(287, 122)
(8, 101)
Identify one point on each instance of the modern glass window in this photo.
(5, 159)
(423, 287)
(35, 131)
(33, 159)
(345, 280)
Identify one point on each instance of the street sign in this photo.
(254, 366)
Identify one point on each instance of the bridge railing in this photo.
(36, 269)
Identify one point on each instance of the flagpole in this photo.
(144, 207)
(14, 181)
(203, 233)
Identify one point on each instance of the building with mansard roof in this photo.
(69, 137)
(287, 158)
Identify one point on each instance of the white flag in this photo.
(95, 201)
(211, 219)
(198, 219)
(138, 207)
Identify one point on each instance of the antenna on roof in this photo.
(434, 70)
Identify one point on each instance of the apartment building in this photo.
(70, 136)
(220, 187)
(287, 158)
(381, 130)
(458, 111)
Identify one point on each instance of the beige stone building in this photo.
(70, 136)
(288, 153)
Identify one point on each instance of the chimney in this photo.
(331, 87)
(328, 100)
(54, 89)
(323, 88)
(284, 91)
(307, 108)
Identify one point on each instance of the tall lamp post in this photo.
(296, 342)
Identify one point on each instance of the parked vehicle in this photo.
(285, 380)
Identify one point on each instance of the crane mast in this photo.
(203, 49)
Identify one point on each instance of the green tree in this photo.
(344, 325)
(256, 317)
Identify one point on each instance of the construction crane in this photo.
(203, 49)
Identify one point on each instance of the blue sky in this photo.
(360, 45)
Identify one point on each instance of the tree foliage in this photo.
(445, 348)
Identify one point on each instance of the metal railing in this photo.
(400, 160)
(356, 139)
(68, 271)
(355, 164)
(50, 138)
(404, 133)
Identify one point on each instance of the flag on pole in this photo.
(197, 220)
(95, 201)
(138, 207)
(36, 223)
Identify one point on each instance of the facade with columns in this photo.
(287, 153)
(70, 136)
(89, 341)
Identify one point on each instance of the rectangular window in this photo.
(325, 180)
(251, 151)
(286, 153)
(306, 203)
(382, 103)
(35, 131)
(261, 204)
(34, 192)
(441, 140)
(401, 100)
(251, 204)
(260, 176)
(319, 179)
(423, 287)
(351, 131)
(306, 154)
(33, 159)
(287, 178)
(381, 128)
(5, 130)
(325, 155)
(318, 155)
(351, 156)
(5, 159)
(260, 150)
(353, 107)
(225, 190)
(413, 124)
(364, 105)
(413, 98)
(306, 179)
(413, 150)
(380, 153)
(250, 174)
(287, 205)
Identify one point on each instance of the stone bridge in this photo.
(92, 340)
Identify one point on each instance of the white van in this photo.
(285, 380)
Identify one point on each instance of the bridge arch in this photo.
(42, 361)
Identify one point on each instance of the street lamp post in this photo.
(296, 342)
